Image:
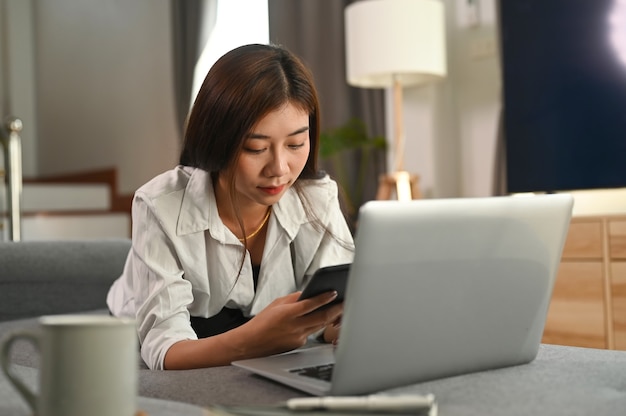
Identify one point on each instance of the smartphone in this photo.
(326, 279)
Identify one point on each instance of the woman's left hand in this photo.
(331, 332)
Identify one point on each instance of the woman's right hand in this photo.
(286, 323)
(283, 325)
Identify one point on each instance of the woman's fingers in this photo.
(311, 304)
(287, 322)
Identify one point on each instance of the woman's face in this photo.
(273, 156)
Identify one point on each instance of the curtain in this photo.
(192, 22)
(499, 170)
(314, 31)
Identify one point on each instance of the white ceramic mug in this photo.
(88, 365)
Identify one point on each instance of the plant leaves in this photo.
(351, 135)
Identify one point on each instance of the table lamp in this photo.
(395, 43)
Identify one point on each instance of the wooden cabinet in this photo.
(588, 306)
(618, 288)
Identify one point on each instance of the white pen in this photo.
(371, 403)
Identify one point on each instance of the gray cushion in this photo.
(12, 404)
(561, 381)
(53, 277)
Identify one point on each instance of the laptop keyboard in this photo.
(321, 372)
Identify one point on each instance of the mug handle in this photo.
(21, 387)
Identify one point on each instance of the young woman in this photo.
(223, 243)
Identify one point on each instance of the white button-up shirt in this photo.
(184, 261)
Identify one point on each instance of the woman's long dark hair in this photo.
(241, 88)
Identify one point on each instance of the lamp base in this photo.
(405, 184)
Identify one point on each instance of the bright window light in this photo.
(617, 21)
(239, 22)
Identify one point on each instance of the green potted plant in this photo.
(354, 159)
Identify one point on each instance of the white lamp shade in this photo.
(395, 39)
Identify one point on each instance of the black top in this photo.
(226, 319)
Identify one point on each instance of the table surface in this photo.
(12, 404)
(561, 381)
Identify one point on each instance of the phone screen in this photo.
(327, 279)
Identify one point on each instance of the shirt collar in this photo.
(198, 209)
(290, 213)
(197, 206)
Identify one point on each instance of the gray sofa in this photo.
(38, 278)
(53, 277)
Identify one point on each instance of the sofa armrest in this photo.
(53, 277)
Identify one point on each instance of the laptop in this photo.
(437, 288)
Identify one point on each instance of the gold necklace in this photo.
(255, 232)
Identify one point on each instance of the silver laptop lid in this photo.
(449, 286)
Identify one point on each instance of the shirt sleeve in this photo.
(161, 295)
